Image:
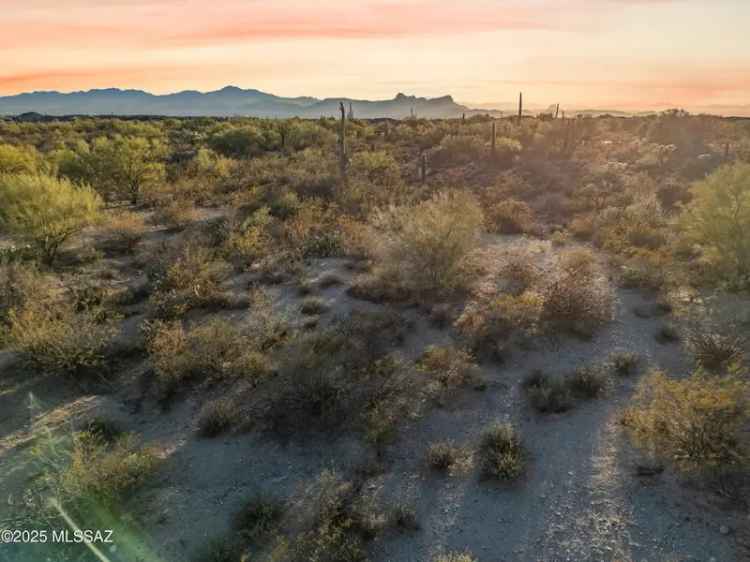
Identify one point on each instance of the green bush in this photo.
(424, 248)
(213, 350)
(55, 336)
(696, 422)
(17, 160)
(259, 517)
(216, 417)
(548, 394)
(46, 211)
(501, 452)
(443, 455)
(718, 219)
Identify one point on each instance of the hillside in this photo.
(229, 101)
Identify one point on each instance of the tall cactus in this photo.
(343, 157)
(494, 137)
(351, 112)
(520, 106)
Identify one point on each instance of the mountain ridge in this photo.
(227, 101)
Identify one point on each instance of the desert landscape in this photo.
(477, 338)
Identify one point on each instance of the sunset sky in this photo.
(626, 54)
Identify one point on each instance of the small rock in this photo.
(724, 530)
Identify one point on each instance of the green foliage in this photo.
(424, 248)
(216, 417)
(245, 142)
(501, 452)
(548, 394)
(510, 216)
(123, 167)
(56, 336)
(46, 211)
(18, 160)
(185, 277)
(718, 219)
(259, 517)
(213, 350)
(696, 422)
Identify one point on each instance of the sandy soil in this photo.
(580, 500)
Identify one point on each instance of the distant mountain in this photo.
(229, 101)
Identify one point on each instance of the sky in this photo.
(614, 54)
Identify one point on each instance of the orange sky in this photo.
(594, 53)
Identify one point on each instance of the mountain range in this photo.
(229, 101)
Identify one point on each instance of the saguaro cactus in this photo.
(343, 157)
(494, 137)
(557, 110)
(351, 111)
(423, 167)
(520, 106)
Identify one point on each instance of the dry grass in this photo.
(502, 455)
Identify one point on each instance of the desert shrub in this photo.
(213, 350)
(185, 277)
(443, 455)
(336, 533)
(510, 216)
(328, 280)
(588, 382)
(244, 142)
(379, 168)
(667, 333)
(54, 336)
(455, 557)
(106, 429)
(92, 474)
(404, 517)
(252, 240)
(493, 318)
(582, 227)
(121, 167)
(216, 417)
(18, 159)
(424, 248)
(457, 150)
(344, 375)
(624, 363)
(313, 231)
(646, 270)
(713, 350)
(313, 305)
(501, 452)
(21, 284)
(718, 219)
(175, 214)
(547, 394)
(576, 298)
(46, 211)
(519, 272)
(696, 422)
(259, 517)
(124, 231)
(448, 365)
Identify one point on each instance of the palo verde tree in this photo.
(119, 168)
(45, 211)
(718, 220)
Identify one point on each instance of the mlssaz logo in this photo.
(82, 536)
